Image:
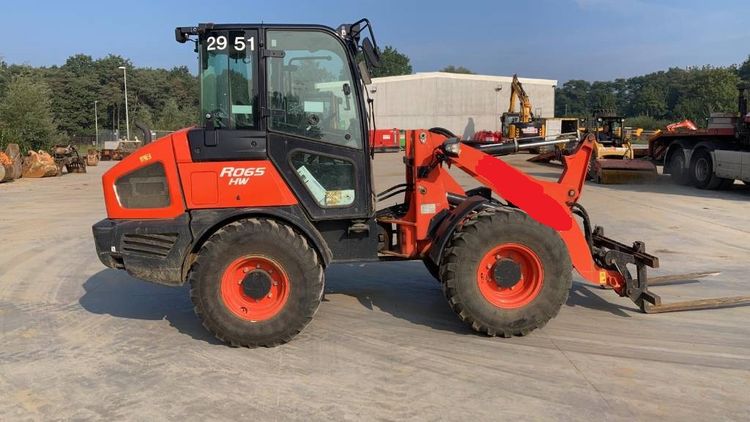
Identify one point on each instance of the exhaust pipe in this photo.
(146, 132)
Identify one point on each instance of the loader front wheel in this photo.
(256, 282)
(505, 274)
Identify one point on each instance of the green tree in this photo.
(457, 69)
(707, 89)
(744, 70)
(26, 115)
(392, 63)
(3, 77)
(173, 117)
(603, 96)
(142, 114)
(572, 99)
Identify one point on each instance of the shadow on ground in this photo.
(407, 291)
(115, 293)
(404, 290)
(583, 296)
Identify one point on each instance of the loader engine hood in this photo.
(145, 184)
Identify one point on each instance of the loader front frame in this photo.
(436, 204)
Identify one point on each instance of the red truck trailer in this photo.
(711, 158)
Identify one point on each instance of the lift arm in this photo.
(598, 259)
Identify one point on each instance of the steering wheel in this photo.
(217, 116)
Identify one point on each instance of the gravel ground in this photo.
(80, 341)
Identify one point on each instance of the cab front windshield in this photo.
(227, 76)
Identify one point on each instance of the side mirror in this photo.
(364, 73)
(181, 34)
(371, 54)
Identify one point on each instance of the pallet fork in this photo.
(617, 255)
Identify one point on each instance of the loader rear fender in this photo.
(443, 230)
(204, 223)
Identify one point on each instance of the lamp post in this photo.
(96, 123)
(498, 122)
(127, 119)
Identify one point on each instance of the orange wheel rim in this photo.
(527, 279)
(254, 288)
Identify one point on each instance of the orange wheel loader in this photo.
(275, 185)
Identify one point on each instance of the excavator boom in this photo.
(517, 93)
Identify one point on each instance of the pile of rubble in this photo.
(11, 163)
(41, 164)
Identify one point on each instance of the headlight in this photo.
(452, 147)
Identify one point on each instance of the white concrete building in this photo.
(464, 104)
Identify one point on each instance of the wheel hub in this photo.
(255, 288)
(257, 284)
(701, 169)
(510, 275)
(507, 273)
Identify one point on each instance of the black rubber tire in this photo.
(709, 180)
(433, 269)
(675, 165)
(273, 240)
(591, 171)
(476, 237)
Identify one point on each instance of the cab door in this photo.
(314, 117)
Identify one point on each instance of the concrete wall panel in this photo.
(463, 104)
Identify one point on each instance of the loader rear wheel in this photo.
(505, 274)
(255, 283)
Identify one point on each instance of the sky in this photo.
(550, 39)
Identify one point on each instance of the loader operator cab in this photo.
(609, 130)
(291, 93)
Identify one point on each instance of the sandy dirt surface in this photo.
(80, 341)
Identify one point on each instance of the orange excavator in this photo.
(520, 124)
(686, 125)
